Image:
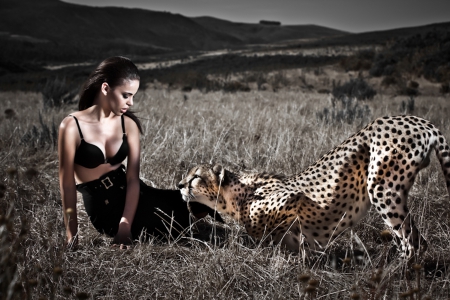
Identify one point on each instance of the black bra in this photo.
(90, 156)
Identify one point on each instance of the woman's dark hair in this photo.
(114, 71)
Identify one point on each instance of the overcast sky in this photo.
(348, 15)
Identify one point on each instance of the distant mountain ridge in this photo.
(88, 30)
(380, 36)
(266, 34)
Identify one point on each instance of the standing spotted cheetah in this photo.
(379, 163)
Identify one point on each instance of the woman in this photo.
(92, 145)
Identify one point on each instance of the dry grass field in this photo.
(245, 131)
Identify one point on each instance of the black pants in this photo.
(159, 212)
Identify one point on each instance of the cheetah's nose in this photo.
(180, 185)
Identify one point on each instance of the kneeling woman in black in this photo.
(92, 145)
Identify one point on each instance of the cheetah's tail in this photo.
(443, 154)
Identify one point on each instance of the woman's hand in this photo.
(123, 238)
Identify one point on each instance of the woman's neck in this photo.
(100, 112)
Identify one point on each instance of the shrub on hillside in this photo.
(361, 61)
(324, 91)
(235, 86)
(383, 65)
(413, 84)
(389, 80)
(280, 80)
(259, 78)
(445, 88)
(407, 90)
(186, 88)
(355, 88)
(410, 88)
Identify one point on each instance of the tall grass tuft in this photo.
(345, 110)
(407, 106)
(41, 135)
(56, 92)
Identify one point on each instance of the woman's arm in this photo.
(132, 198)
(66, 152)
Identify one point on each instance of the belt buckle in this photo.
(107, 182)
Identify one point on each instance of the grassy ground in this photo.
(254, 131)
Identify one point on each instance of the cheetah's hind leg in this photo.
(388, 186)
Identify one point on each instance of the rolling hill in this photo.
(377, 37)
(264, 34)
(52, 30)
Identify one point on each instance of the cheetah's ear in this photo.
(221, 173)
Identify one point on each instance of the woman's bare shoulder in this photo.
(130, 125)
(68, 133)
(68, 124)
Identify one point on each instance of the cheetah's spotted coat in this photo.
(377, 166)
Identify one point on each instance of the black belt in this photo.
(106, 181)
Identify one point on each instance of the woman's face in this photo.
(120, 97)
